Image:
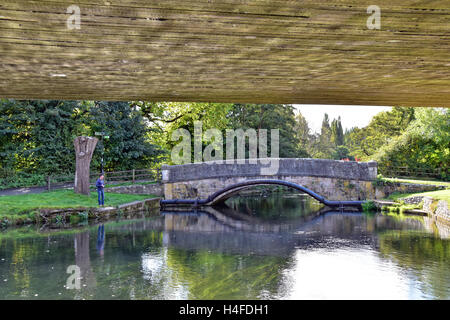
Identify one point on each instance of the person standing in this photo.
(100, 184)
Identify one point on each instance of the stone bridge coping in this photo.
(348, 170)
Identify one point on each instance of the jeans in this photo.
(101, 197)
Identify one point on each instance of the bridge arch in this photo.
(223, 194)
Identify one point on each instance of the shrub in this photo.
(10, 179)
(4, 223)
(369, 206)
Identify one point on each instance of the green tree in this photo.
(342, 152)
(337, 134)
(270, 116)
(55, 124)
(423, 145)
(38, 134)
(384, 127)
(303, 132)
(128, 145)
(164, 118)
(37, 139)
(324, 146)
(15, 124)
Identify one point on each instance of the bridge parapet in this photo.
(250, 168)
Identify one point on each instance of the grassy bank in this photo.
(400, 206)
(427, 182)
(436, 195)
(14, 206)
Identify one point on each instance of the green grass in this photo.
(437, 195)
(397, 195)
(427, 182)
(60, 199)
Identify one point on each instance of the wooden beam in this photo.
(257, 51)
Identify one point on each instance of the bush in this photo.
(4, 223)
(11, 179)
(369, 206)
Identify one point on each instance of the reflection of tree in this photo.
(121, 275)
(427, 255)
(19, 267)
(211, 275)
(37, 263)
(83, 260)
(35, 268)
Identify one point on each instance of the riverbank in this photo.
(64, 205)
(434, 204)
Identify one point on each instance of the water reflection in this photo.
(273, 204)
(101, 239)
(83, 260)
(227, 253)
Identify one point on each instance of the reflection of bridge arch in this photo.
(225, 193)
(224, 219)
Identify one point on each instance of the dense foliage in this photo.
(328, 144)
(414, 140)
(423, 145)
(36, 138)
(270, 116)
(366, 141)
(166, 118)
(128, 145)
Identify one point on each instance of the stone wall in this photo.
(412, 200)
(442, 211)
(149, 189)
(330, 188)
(134, 209)
(385, 189)
(437, 209)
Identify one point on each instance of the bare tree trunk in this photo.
(84, 148)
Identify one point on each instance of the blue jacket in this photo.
(100, 184)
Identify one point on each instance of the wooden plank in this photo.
(227, 51)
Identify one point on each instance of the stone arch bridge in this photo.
(329, 181)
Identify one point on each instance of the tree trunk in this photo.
(84, 148)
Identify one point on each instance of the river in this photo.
(264, 246)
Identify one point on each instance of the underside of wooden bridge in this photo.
(255, 51)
